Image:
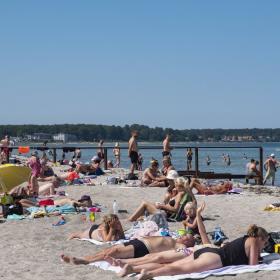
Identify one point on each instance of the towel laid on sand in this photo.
(98, 243)
(228, 270)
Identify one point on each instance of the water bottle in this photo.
(115, 207)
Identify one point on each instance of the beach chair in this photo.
(179, 215)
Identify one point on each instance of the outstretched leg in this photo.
(144, 206)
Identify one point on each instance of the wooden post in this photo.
(105, 158)
(54, 155)
(196, 162)
(261, 165)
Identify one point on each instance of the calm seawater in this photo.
(238, 156)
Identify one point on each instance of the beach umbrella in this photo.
(12, 175)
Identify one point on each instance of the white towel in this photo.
(228, 270)
(96, 242)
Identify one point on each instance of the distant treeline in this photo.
(91, 132)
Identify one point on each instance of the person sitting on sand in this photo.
(90, 169)
(221, 188)
(169, 208)
(109, 230)
(171, 190)
(241, 251)
(135, 248)
(190, 223)
(152, 177)
(167, 165)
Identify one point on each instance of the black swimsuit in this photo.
(232, 253)
(140, 249)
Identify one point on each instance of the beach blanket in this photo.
(228, 270)
(98, 243)
(272, 207)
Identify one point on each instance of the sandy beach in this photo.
(31, 249)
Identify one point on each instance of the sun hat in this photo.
(172, 175)
(272, 155)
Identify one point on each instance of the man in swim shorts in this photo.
(133, 151)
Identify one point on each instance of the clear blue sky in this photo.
(179, 64)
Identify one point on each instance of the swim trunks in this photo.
(133, 157)
(140, 249)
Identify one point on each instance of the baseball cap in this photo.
(272, 155)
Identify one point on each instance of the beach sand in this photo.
(31, 249)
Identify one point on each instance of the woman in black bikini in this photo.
(172, 206)
(110, 230)
(244, 250)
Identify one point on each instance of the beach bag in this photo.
(273, 238)
(159, 219)
(131, 176)
(12, 209)
(112, 180)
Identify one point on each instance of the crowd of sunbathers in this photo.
(153, 256)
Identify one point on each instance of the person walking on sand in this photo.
(166, 146)
(270, 166)
(133, 151)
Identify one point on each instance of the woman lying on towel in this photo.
(110, 230)
(172, 206)
(221, 188)
(241, 251)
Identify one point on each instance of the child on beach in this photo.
(190, 223)
(109, 230)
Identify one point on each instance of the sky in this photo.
(176, 64)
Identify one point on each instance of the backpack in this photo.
(273, 238)
(12, 209)
(159, 219)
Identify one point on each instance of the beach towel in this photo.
(228, 270)
(99, 243)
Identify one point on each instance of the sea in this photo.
(239, 153)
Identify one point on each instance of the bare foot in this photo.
(65, 258)
(114, 262)
(78, 261)
(143, 275)
(127, 269)
(72, 236)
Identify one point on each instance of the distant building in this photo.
(40, 136)
(64, 137)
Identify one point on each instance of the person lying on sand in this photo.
(221, 188)
(109, 230)
(241, 251)
(170, 207)
(135, 248)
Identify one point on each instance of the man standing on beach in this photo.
(133, 151)
(166, 146)
(270, 166)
